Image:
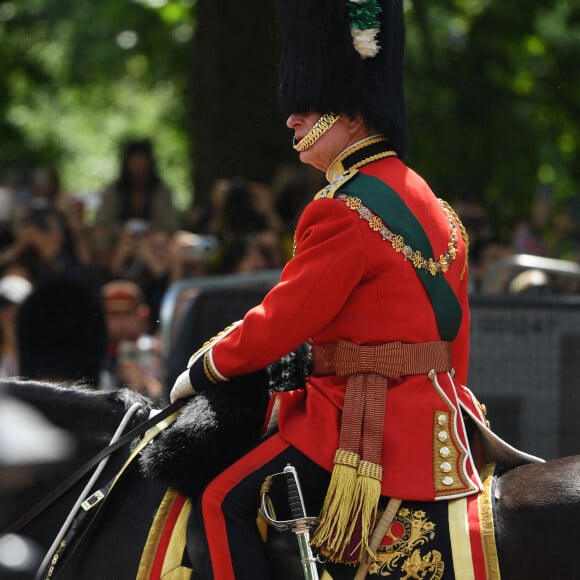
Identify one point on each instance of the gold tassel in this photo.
(364, 512)
(261, 521)
(330, 535)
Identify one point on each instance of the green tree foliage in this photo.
(493, 100)
(492, 92)
(78, 77)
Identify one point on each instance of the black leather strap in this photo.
(48, 500)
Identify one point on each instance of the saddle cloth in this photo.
(164, 556)
(452, 540)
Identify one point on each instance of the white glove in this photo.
(182, 388)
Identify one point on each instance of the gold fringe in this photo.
(364, 512)
(330, 535)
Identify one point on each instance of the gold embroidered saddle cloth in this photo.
(452, 540)
(165, 555)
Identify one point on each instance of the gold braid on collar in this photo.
(361, 153)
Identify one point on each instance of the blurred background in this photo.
(491, 90)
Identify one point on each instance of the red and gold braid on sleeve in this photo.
(202, 369)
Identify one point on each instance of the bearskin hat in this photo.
(322, 71)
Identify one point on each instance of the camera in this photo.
(136, 227)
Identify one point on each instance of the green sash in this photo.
(386, 203)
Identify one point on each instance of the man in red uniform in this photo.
(377, 286)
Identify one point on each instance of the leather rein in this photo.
(63, 487)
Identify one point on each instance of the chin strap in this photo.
(319, 128)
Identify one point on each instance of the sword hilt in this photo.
(295, 498)
(300, 524)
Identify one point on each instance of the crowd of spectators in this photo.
(127, 252)
(550, 231)
(136, 245)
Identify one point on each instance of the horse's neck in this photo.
(91, 418)
(80, 411)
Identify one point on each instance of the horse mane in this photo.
(47, 395)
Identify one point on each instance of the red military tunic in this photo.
(346, 282)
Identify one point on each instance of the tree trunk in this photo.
(238, 129)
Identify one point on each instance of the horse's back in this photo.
(537, 512)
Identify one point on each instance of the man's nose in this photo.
(293, 121)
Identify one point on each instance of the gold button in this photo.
(443, 436)
(442, 420)
(445, 467)
(445, 452)
(447, 480)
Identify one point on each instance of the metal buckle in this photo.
(93, 500)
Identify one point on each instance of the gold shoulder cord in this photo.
(464, 235)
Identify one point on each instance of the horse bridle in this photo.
(63, 487)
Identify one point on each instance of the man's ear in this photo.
(356, 124)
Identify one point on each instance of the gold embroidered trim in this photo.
(409, 549)
(336, 169)
(152, 541)
(171, 567)
(492, 571)
(445, 455)
(332, 188)
(209, 370)
(449, 480)
(398, 242)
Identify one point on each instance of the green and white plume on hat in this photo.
(365, 26)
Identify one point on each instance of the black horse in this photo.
(92, 417)
(537, 506)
